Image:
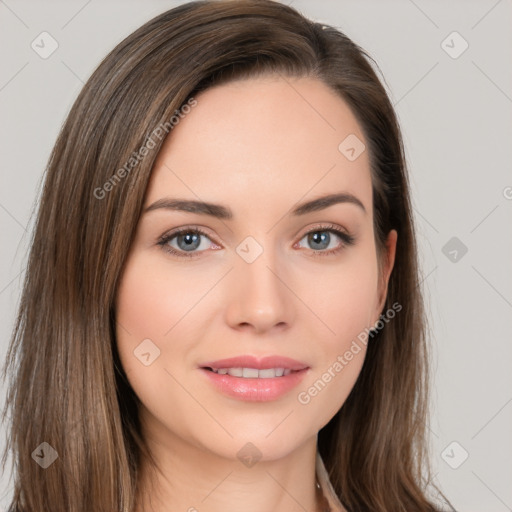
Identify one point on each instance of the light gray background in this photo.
(457, 124)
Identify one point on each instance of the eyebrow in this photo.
(225, 213)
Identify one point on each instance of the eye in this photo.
(188, 240)
(320, 238)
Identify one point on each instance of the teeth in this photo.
(236, 372)
(251, 373)
(254, 373)
(271, 372)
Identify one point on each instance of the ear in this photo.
(387, 266)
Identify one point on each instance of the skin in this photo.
(258, 146)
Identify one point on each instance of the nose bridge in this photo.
(258, 297)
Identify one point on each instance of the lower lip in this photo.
(255, 390)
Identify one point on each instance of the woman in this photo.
(221, 305)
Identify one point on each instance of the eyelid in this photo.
(324, 226)
(184, 229)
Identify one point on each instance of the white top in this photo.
(325, 484)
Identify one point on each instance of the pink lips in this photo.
(255, 389)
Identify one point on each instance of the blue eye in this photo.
(320, 238)
(189, 241)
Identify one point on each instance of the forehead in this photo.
(260, 140)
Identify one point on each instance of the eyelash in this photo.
(346, 238)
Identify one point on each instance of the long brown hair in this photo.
(68, 388)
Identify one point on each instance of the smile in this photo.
(252, 373)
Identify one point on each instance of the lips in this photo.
(240, 380)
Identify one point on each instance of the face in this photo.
(270, 279)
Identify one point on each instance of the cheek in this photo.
(345, 309)
(148, 306)
(343, 297)
(151, 310)
(151, 302)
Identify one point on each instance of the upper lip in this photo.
(247, 361)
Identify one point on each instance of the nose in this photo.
(259, 299)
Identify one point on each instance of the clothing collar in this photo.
(326, 486)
